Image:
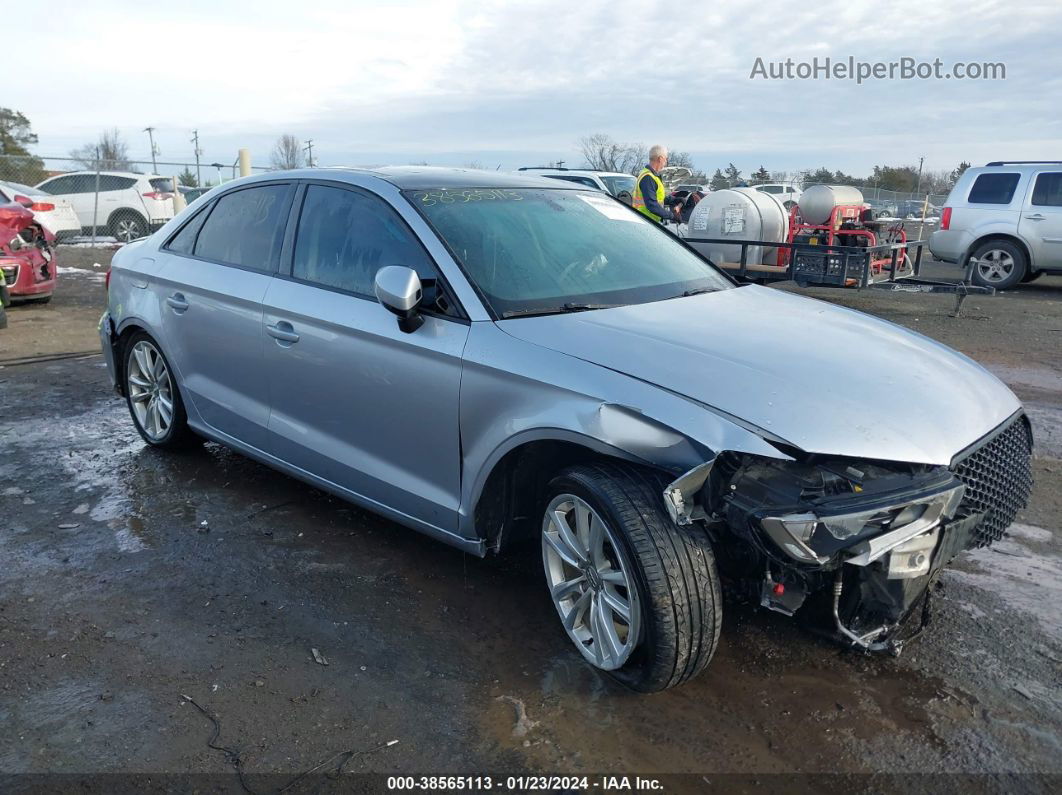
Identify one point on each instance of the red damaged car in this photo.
(26, 258)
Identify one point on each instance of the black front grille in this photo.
(998, 478)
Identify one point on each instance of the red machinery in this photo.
(854, 226)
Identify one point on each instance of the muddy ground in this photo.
(131, 578)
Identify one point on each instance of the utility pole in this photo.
(151, 137)
(918, 187)
(309, 151)
(198, 152)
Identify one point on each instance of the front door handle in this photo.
(283, 331)
(1036, 217)
(177, 302)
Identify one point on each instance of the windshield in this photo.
(535, 251)
(616, 185)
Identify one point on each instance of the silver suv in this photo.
(487, 358)
(1004, 219)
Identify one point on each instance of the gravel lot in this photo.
(133, 577)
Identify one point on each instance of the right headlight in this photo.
(814, 537)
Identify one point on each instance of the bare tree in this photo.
(113, 153)
(602, 153)
(287, 152)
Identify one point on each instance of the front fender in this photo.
(514, 392)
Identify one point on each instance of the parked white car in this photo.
(788, 195)
(615, 183)
(129, 206)
(54, 214)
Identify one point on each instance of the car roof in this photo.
(580, 172)
(1023, 166)
(109, 174)
(439, 177)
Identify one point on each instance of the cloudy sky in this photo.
(509, 84)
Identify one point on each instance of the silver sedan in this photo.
(487, 357)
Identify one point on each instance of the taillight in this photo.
(945, 218)
(41, 207)
(107, 280)
(158, 195)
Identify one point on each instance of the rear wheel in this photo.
(127, 226)
(152, 395)
(998, 263)
(637, 594)
(1031, 277)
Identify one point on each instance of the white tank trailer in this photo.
(818, 201)
(739, 214)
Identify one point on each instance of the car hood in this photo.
(823, 378)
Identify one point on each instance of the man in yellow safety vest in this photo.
(649, 193)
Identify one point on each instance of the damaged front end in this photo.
(853, 546)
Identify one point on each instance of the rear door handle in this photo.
(283, 331)
(177, 302)
(1036, 217)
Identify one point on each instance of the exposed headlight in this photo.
(814, 537)
(814, 511)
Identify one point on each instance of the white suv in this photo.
(1004, 219)
(788, 195)
(130, 205)
(615, 183)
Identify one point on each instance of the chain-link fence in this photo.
(895, 204)
(106, 202)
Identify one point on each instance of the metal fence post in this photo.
(96, 199)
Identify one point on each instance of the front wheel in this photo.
(637, 594)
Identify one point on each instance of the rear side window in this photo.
(162, 184)
(993, 188)
(184, 241)
(345, 237)
(1048, 190)
(246, 228)
(112, 182)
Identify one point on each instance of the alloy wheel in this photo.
(590, 583)
(150, 390)
(995, 265)
(127, 229)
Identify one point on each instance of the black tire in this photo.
(673, 567)
(1011, 270)
(177, 435)
(1031, 276)
(127, 225)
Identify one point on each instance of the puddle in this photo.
(88, 448)
(1026, 580)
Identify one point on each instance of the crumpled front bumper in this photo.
(861, 542)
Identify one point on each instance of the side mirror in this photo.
(398, 289)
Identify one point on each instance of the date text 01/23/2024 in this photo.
(523, 783)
